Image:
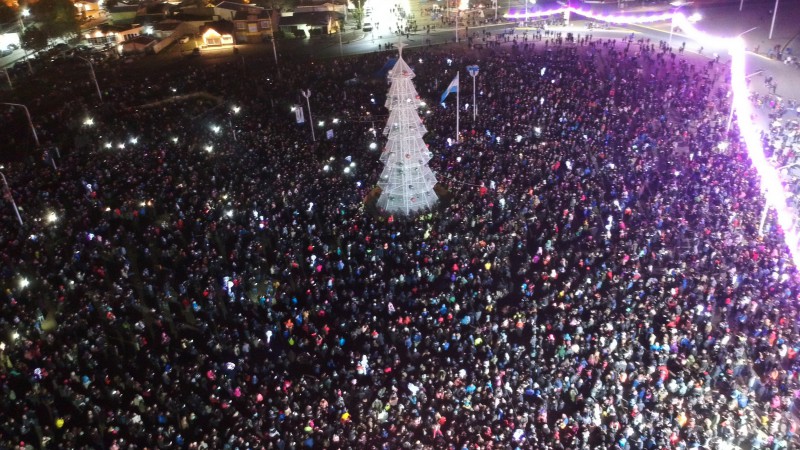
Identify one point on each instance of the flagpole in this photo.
(458, 102)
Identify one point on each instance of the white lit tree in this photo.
(406, 181)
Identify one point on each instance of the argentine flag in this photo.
(453, 87)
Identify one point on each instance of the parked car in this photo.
(184, 39)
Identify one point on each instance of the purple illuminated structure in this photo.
(771, 184)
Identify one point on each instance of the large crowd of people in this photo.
(198, 273)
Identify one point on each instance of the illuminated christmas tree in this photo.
(406, 181)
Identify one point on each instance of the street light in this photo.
(767, 206)
(774, 14)
(28, 116)
(340, 37)
(235, 110)
(730, 114)
(473, 72)
(94, 78)
(25, 12)
(457, 12)
(307, 94)
(694, 18)
(10, 198)
(274, 51)
(8, 78)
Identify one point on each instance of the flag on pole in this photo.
(453, 87)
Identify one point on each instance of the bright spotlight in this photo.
(236, 109)
(88, 121)
(51, 217)
(215, 129)
(23, 283)
(209, 148)
(373, 146)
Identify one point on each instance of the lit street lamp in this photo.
(24, 13)
(10, 198)
(307, 94)
(694, 18)
(234, 110)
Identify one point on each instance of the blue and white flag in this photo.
(453, 87)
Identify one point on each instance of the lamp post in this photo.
(94, 78)
(694, 18)
(340, 39)
(457, 13)
(234, 110)
(10, 197)
(25, 13)
(767, 206)
(495, 9)
(8, 78)
(730, 114)
(774, 14)
(28, 116)
(473, 72)
(672, 24)
(274, 50)
(307, 94)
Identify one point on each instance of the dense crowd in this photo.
(196, 277)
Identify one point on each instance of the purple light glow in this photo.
(769, 178)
